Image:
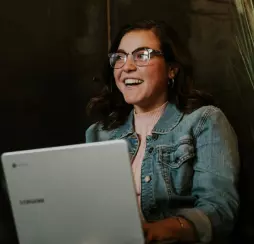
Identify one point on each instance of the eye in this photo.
(117, 59)
(141, 55)
(118, 56)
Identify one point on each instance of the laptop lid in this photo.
(78, 194)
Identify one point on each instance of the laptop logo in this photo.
(31, 201)
(16, 165)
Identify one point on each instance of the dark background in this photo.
(51, 53)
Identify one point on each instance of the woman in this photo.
(183, 150)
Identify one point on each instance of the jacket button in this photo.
(147, 179)
(155, 137)
(150, 150)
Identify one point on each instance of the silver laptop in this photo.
(79, 194)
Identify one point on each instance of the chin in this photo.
(132, 102)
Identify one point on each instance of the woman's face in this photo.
(153, 78)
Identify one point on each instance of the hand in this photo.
(170, 229)
(161, 230)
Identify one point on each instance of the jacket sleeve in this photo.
(216, 168)
(91, 134)
(95, 133)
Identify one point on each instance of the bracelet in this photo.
(180, 222)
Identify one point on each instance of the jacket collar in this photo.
(169, 120)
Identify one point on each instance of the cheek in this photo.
(117, 75)
(157, 75)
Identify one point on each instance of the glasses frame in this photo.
(151, 53)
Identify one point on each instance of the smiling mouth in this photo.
(133, 82)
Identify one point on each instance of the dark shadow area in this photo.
(50, 52)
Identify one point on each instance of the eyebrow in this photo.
(137, 49)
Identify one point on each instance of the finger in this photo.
(146, 226)
(149, 237)
(153, 236)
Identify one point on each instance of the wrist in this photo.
(186, 230)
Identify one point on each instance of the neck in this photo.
(146, 109)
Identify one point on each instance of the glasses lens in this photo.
(141, 57)
(117, 60)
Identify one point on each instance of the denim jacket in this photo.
(190, 168)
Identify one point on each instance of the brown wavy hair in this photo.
(109, 107)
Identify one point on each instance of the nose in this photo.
(129, 65)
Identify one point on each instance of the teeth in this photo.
(132, 81)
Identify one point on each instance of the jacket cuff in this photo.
(200, 221)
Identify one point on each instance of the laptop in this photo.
(78, 194)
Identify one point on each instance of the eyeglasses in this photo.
(141, 57)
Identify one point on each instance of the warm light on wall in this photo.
(221, 1)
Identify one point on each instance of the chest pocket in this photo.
(176, 165)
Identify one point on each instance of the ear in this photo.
(173, 71)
